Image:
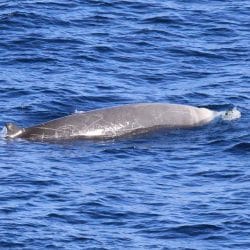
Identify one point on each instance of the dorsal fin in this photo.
(13, 130)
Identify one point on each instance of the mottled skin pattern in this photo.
(117, 121)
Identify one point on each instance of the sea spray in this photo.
(230, 114)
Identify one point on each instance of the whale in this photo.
(115, 122)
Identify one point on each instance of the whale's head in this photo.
(13, 131)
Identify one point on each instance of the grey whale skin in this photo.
(115, 121)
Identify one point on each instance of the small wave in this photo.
(188, 230)
(194, 230)
(3, 132)
(240, 147)
(33, 60)
(9, 245)
(195, 53)
(103, 48)
(162, 20)
(217, 174)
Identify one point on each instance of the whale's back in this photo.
(120, 120)
(116, 121)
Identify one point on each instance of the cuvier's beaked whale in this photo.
(116, 121)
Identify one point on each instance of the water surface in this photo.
(179, 190)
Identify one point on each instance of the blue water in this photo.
(179, 190)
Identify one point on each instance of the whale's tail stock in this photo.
(12, 130)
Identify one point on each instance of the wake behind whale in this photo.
(119, 121)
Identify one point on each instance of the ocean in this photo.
(177, 190)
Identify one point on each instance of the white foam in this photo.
(79, 111)
(231, 114)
